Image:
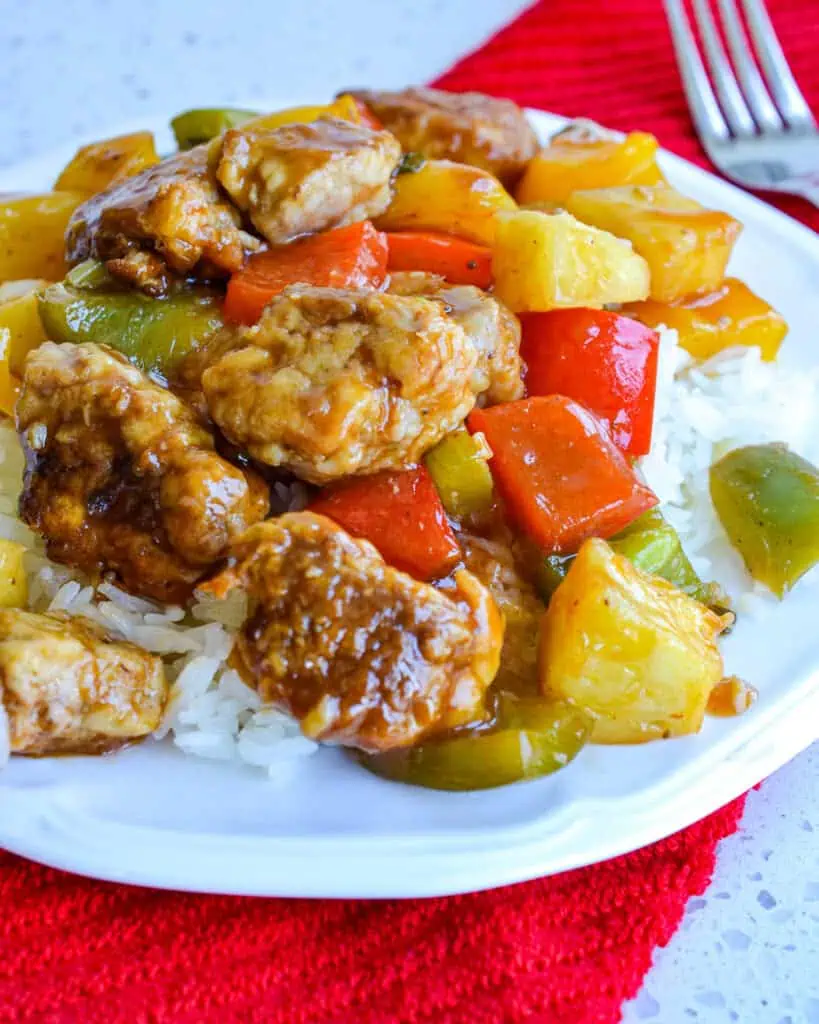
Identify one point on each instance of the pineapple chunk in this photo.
(20, 318)
(445, 196)
(544, 261)
(568, 165)
(96, 166)
(13, 586)
(686, 246)
(638, 654)
(732, 315)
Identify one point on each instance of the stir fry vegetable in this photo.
(562, 478)
(401, 514)
(32, 230)
(686, 246)
(455, 199)
(98, 165)
(568, 165)
(707, 324)
(566, 264)
(20, 321)
(652, 545)
(767, 498)
(459, 469)
(155, 333)
(635, 652)
(348, 257)
(193, 127)
(532, 737)
(455, 259)
(605, 361)
(13, 584)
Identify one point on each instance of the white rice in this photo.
(701, 412)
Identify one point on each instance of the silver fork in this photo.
(757, 130)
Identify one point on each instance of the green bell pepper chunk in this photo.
(531, 737)
(767, 498)
(196, 126)
(459, 469)
(653, 546)
(155, 334)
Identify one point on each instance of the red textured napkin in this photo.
(566, 950)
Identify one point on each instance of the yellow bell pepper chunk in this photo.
(445, 196)
(344, 107)
(8, 385)
(20, 318)
(567, 165)
(707, 324)
(32, 230)
(96, 166)
(686, 246)
(636, 653)
(13, 583)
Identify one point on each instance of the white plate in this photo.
(155, 817)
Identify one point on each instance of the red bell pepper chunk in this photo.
(366, 116)
(455, 259)
(401, 514)
(561, 476)
(603, 360)
(349, 257)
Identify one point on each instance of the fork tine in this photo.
(722, 74)
(708, 119)
(765, 113)
(782, 84)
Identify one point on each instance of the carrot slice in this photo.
(348, 257)
(401, 514)
(459, 261)
(561, 476)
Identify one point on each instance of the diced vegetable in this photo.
(455, 199)
(13, 584)
(459, 469)
(544, 261)
(533, 737)
(455, 259)
(567, 165)
(767, 498)
(401, 514)
(155, 333)
(32, 230)
(686, 246)
(20, 321)
(562, 477)
(629, 648)
(345, 107)
(8, 385)
(193, 127)
(348, 257)
(605, 361)
(96, 166)
(707, 324)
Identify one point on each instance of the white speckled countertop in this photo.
(748, 951)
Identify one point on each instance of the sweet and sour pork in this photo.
(122, 476)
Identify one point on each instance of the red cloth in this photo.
(611, 60)
(566, 950)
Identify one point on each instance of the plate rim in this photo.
(52, 833)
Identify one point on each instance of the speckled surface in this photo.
(748, 950)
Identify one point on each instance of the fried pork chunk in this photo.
(468, 127)
(170, 219)
(332, 383)
(68, 687)
(492, 328)
(121, 475)
(362, 654)
(302, 178)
